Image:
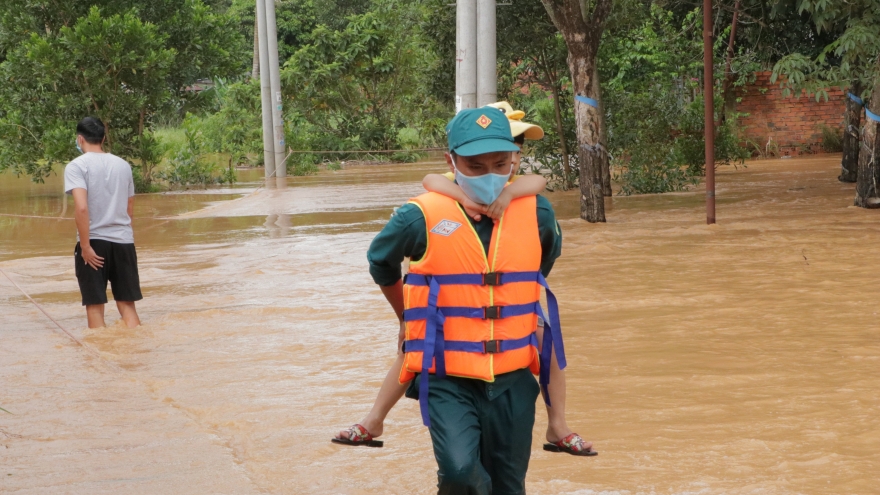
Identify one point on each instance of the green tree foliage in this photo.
(438, 27)
(767, 30)
(295, 19)
(532, 53)
(190, 166)
(850, 61)
(122, 61)
(548, 156)
(650, 67)
(851, 58)
(232, 121)
(357, 87)
(651, 79)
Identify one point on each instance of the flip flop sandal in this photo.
(357, 436)
(572, 444)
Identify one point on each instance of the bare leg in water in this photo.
(95, 314)
(557, 427)
(390, 392)
(128, 313)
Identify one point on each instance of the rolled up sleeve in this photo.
(403, 236)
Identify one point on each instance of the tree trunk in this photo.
(867, 192)
(255, 66)
(849, 164)
(587, 122)
(603, 135)
(560, 130)
(582, 31)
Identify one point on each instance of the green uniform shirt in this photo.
(406, 235)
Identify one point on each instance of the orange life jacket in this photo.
(473, 315)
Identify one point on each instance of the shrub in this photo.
(235, 126)
(545, 156)
(189, 166)
(658, 141)
(832, 139)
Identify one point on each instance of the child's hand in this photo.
(496, 209)
(474, 210)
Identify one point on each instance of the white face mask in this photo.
(76, 142)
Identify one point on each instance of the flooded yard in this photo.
(739, 358)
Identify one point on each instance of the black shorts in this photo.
(120, 269)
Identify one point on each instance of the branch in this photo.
(600, 15)
(22, 127)
(585, 11)
(553, 12)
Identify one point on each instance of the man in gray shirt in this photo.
(103, 197)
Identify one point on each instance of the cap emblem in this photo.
(484, 121)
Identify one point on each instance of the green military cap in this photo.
(475, 131)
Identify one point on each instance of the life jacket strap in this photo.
(484, 313)
(552, 339)
(491, 278)
(484, 347)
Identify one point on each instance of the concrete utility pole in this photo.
(255, 67)
(487, 77)
(275, 81)
(265, 92)
(709, 115)
(466, 54)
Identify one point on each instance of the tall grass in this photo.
(173, 137)
(832, 139)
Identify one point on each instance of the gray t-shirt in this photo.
(107, 180)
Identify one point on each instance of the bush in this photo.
(545, 156)
(651, 149)
(300, 168)
(188, 165)
(657, 174)
(832, 139)
(690, 144)
(235, 126)
(658, 141)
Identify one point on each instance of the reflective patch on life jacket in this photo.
(445, 228)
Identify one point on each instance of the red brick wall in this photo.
(792, 123)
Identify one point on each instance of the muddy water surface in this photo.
(741, 358)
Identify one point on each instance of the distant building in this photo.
(200, 85)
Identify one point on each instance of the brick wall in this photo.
(792, 123)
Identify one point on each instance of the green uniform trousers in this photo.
(482, 436)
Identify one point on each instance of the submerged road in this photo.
(740, 358)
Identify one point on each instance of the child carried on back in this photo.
(559, 436)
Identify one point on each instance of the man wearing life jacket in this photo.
(469, 307)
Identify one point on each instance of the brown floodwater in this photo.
(740, 358)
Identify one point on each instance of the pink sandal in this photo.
(572, 444)
(358, 435)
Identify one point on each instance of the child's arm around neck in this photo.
(441, 184)
(521, 186)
